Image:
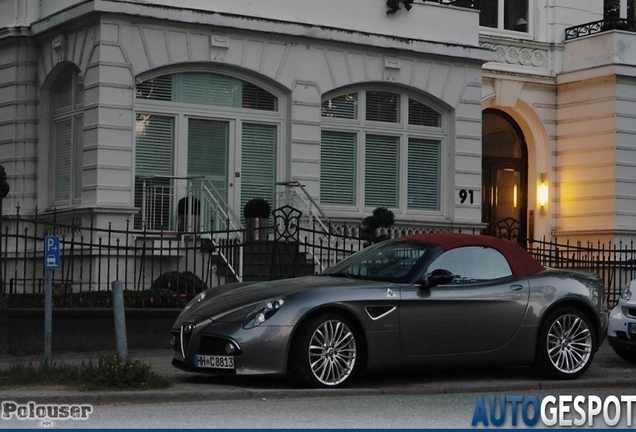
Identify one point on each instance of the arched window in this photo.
(381, 149)
(68, 137)
(201, 125)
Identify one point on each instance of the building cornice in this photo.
(261, 25)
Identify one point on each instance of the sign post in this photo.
(51, 262)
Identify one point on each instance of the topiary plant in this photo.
(257, 208)
(381, 218)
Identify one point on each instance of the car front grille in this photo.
(184, 337)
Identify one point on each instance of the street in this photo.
(434, 398)
(365, 412)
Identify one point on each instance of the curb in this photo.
(68, 396)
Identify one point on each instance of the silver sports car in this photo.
(417, 300)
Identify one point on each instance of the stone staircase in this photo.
(271, 260)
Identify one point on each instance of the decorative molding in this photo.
(507, 92)
(391, 68)
(219, 46)
(59, 48)
(515, 55)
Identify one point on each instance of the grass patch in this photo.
(106, 373)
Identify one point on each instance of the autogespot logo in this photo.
(44, 413)
(559, 411)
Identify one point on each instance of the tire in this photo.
(626, 354)
(325, 352)
(566, 344)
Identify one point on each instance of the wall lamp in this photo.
(542, 192)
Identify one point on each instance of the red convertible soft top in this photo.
(521, 263)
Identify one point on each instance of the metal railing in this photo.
(615, 263)
(199, 205)
(200, 208)
(92, 257)
(603, 25)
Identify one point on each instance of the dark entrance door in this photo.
(505, 177)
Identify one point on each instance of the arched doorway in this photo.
(505, 177)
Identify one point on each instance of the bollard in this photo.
(120, 322)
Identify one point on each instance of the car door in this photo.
(480, 310)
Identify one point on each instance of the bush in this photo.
(104, 299)
(179, 283)
(381, 218)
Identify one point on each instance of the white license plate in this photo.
(631, 328)
(214, 362)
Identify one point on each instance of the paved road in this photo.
(391, 411)
(608, 370)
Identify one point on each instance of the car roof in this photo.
(521, 263)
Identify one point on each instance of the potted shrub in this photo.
(372, 225)
(256, 213)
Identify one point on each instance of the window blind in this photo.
(381, 171)
(424, 171)
(258, 163)
(338, 164)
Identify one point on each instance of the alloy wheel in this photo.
(569, 343)
(332, 352)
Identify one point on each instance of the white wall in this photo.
(425, 21)
(117, 52)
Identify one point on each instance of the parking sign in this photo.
(51, 252)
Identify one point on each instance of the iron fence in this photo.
(614, 262)
(92, 257)
(607, 24)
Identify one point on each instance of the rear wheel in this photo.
(325, 353)
(626, 354)
(566, 344)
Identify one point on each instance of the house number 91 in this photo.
(466, 195)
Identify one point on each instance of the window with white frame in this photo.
(504, 14)
(619, 9)
(381, 149)
(202, 124)
(67, 100)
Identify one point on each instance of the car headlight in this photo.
(262, 313)
(626, 295)
(196, 299)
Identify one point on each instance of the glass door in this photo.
(504, 177)
(237, 172)
(505, 202)
(208, 152)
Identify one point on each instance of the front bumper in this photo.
(261, 350)
(621, 317)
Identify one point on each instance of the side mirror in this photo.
(438, 277)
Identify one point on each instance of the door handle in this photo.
(516, 287)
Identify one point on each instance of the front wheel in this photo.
(325, 353)
(566, 344)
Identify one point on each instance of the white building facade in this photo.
(452, 118)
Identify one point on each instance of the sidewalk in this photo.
(608, 370)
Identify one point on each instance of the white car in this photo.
(621, 332)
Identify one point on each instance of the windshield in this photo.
(391, 261)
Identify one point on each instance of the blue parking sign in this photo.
(51, 252)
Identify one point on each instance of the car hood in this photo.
(228, 298)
